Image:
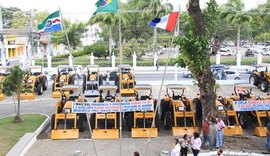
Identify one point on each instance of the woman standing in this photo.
(184, 145)
(176, 149)
(219, 127)
(196, 143)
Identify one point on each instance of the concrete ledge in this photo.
(22, 146)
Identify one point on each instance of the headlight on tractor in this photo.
(181, 108)
(220, 108)
(67, 110)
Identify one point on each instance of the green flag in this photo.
(106, 6)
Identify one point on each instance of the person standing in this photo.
(157, 65)
(176, 149)
(206, 134)
(220, 132)
(268, 136)
(184, 145)
(196, 143)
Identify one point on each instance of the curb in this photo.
(20, 149)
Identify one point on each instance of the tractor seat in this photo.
(176, 97)
(144, 97)
(36, 73)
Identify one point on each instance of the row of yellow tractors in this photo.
(177, 112)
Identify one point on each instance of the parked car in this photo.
(249, 53)
(225, 52)
(232, 74)
(266, 51)
(187, 74)
(219, 66)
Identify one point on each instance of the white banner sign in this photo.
(104, 107)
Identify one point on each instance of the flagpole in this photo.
(69, 47)
(161, 85)
(120, 75)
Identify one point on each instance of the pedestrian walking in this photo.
(268, 136)
(206, 134)
(176, 148)
(157, 65)
(196, 143)
(184, 145)
(220, 132)
(136, 153)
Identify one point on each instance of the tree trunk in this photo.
(17, 117)
(206, 80)
(238, 38)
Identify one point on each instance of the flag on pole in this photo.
(166, 22)
(51, 23)
(106, 6)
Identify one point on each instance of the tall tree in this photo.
(7, 15)
(13, 87)
(233, 12)
(195, 55)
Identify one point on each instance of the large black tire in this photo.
(165, 107)
(168, 121)
(52, 121)
(264, 86)
(81, 122)
(198, 108)
(243, 119)
(84, 83)
(100, 81)
(93, 121)
(130, 121)
(52, 87)
(45, 83)
(72, 79)
(254, 79)
(40, 89)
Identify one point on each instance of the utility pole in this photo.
(3, 53)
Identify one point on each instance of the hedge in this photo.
(84, 60)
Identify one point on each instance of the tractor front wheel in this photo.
(264, 86)
(243, 119)
(254, 79)
(52, 121)
(168, 121)
(40, 89)
(81, 122)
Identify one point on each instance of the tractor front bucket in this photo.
(2, 97)
(180, 131)
(260, 131)
(105, 134)
(56, 94)
(57, 134)
(144, 132)
(233, 130)
(127, 92)
(27, 96)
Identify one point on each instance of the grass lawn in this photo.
(11, 132)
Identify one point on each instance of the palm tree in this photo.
(109, 19)
(234, 14)
(13, 87)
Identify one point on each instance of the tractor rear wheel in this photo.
(198, 108)
(81, 122)
(254, 79)
(45, 83)
(93, 121)
(84, 83)
(264, 86)
(52, 87)
(243, 119)
(168, 121)
(130, 121)
(52, 121)
(40, 89)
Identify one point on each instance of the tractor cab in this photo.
(261, 78)
(178, 111)
(140, 122)
(105, 124)
(63, 77)
(127, 80)
(64, 123)
(92, 79)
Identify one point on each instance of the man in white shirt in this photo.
(177, 148)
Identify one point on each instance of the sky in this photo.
(82, 10)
